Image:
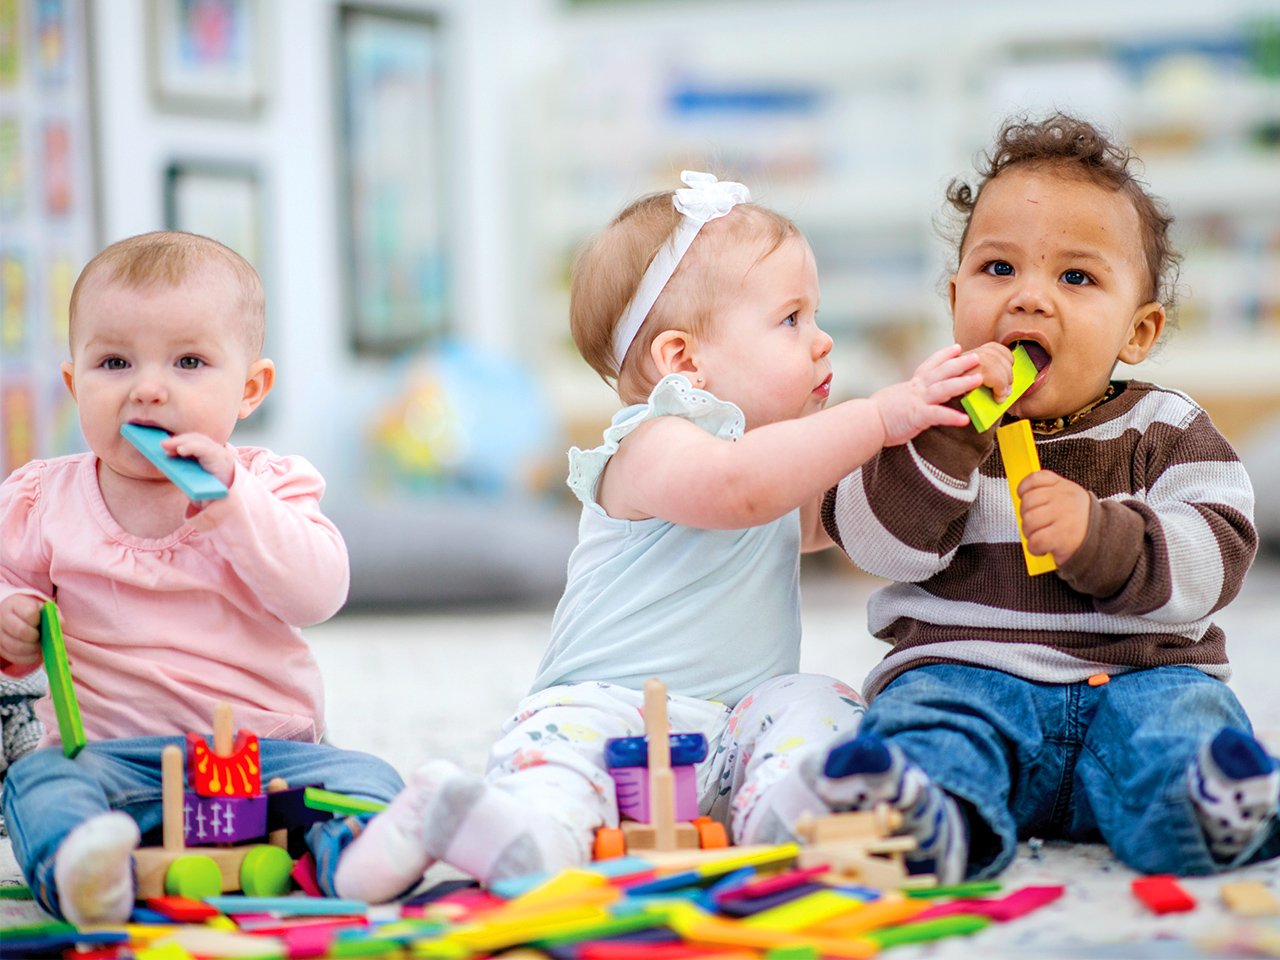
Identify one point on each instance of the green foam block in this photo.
(339, 803)
(61, 688)
(982, 407)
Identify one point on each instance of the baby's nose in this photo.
(148, 389)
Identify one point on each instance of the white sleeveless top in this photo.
(712, 613)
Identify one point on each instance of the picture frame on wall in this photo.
(391, 74)
(206, 56)
(222, 200)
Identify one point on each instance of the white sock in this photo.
(862, 773)
(93, 870)
(484, 831)
(390, 855)
(1235, 788)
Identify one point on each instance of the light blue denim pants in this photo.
(46, 796)
(1066, 761)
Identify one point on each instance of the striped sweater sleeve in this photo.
(902, 514)
(1187, 537)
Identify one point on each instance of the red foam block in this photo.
(1162, 894)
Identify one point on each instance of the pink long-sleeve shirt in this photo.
(159, 630)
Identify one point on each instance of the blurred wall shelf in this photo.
(851, 120)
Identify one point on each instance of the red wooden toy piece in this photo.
(224, 770)
(1162, 894)
(182, 909)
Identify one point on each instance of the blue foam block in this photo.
(185, 472)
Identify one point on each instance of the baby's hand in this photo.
(1055, 514)
(213, 456)
(20, 628)
(910, 407)
(995, 361)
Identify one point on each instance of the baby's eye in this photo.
(190, 363)
(113, 363)
(792, 319)
(998, 268)
(1076, 278)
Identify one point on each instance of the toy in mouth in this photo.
(1037, 353)
(981, 405)
(185, 472)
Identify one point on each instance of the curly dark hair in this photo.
(1078, 148)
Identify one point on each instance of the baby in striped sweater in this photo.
(1087, 703)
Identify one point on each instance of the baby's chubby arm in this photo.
(1179, 552)
(673, 469)
(270, 530)
(24, 569)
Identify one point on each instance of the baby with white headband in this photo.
(701, 306)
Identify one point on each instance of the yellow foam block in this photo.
(566, 883)
(1250, 899)
(805, 911)
(167, 951)
(981, 404)
(1018, 451)
(885, 912)
(488, 936)
(591, 897)
(735, 858)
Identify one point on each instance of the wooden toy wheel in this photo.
(610, 843)
(265, 872)
(711, 833)
(195, 876)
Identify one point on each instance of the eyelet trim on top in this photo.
(673, 396)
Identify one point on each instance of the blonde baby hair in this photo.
(608, 272)
(170, 257)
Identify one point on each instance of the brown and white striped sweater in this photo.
(1170, 539)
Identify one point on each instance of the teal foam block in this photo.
(185, 472)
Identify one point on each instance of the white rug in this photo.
(411, 687)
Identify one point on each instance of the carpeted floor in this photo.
(413, 686)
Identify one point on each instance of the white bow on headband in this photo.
(703, 199)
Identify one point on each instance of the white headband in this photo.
(705, 199)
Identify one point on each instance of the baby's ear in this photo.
(1144, 332)
(258, 383)
(69, 377)
(672, 351)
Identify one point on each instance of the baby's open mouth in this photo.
(1038, 354)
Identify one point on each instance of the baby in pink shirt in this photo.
(168, 605)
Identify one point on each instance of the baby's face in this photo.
(765, 351)
(1057, 263)
(169, 356)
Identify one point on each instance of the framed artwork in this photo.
(219, 200)
(396, 258)
(206, 56)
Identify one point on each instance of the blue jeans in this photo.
(46, 796)
(1066, 761)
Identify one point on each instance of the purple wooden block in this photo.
(209, 820)
(632, 788)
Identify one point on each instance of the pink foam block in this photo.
(632, 787)
(304, 875)
(1001, 909)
